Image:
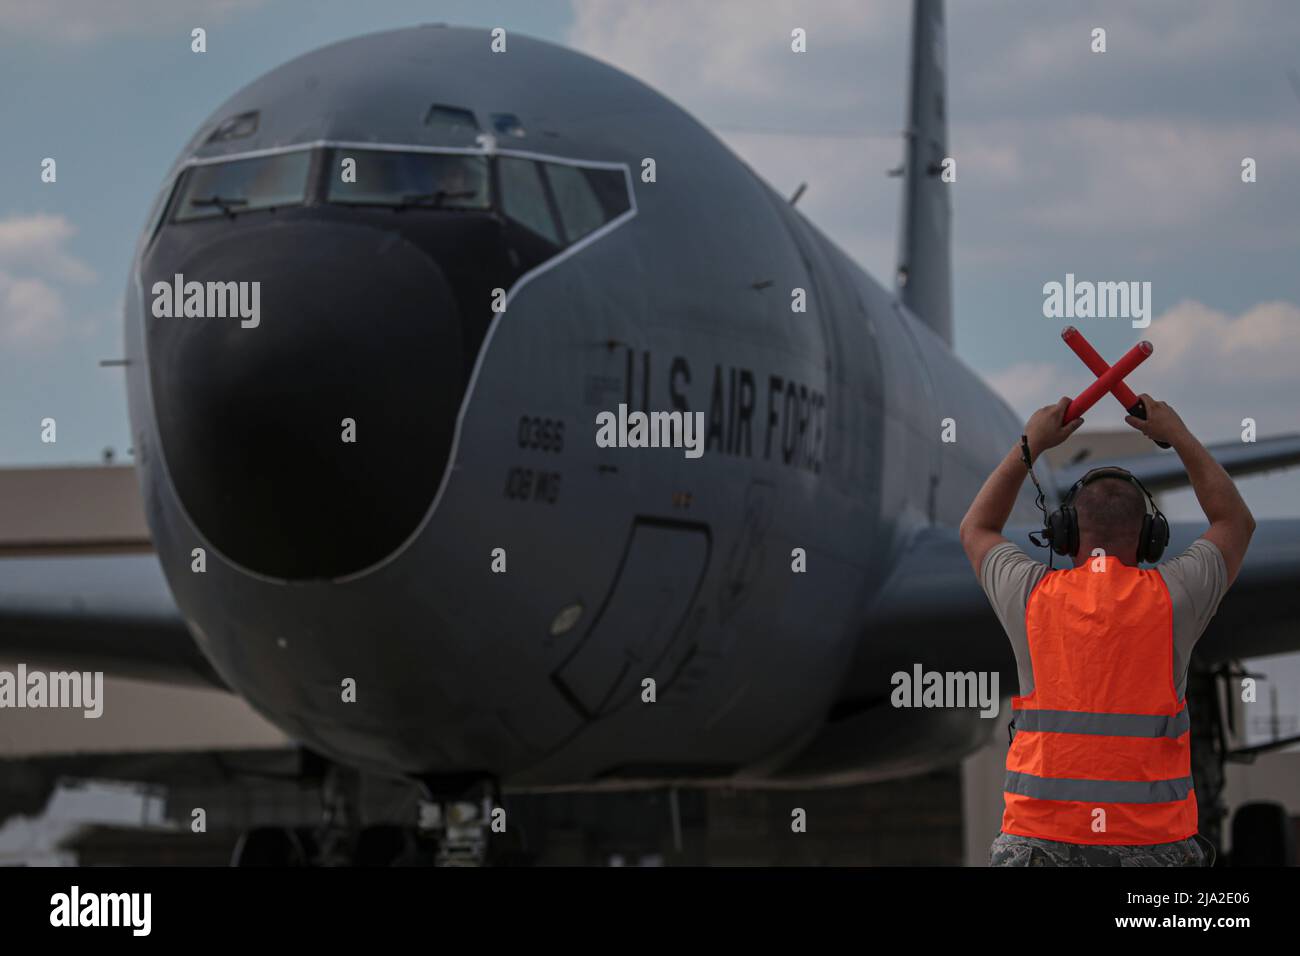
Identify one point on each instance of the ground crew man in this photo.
(1099, 767)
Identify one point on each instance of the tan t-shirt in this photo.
(1197, 580)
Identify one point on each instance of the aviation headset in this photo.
(1062, 529)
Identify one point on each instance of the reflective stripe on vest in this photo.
(1102, 745)
(1108, 725)
(1098, 791)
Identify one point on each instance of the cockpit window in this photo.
(610, 188)
(408, 180)
(238, 126)
(243, 185)
(523, 197)
(582, 198)
(547, 205)
(583, 208)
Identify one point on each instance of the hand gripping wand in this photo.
(1108, 379)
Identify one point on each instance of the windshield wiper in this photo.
(226, 205)
(433, 200)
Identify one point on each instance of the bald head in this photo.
(1110, 514)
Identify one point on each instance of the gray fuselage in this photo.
(328, 560)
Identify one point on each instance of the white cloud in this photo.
(1027, 385)
(1259, 347)
(1057, 155)
(84, 21)
(1214, 368)
(32, 313)
(709, 56)
(35, 268)
(1136, 176)
(35, 243)
(1148, 189)
(1041, 45)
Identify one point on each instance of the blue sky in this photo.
(1115, 166)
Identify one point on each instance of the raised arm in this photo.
(981, 529)
(1231, 523)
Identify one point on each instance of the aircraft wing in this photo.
(932, 611)
(115, 613)
(1163, 470)
(1261, 612)
(112, 613)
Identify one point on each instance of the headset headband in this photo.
(1110, 471)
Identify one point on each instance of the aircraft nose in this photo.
(311, 444)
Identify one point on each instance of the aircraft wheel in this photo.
(269, 846)
(1262, 835)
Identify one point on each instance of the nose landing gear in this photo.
(435, 822)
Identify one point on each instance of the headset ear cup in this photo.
(1064, 527)
(1159, 539)
(1053, 530)
(1145, 542)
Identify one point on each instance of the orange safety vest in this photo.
(1104, 728)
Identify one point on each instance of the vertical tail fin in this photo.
(925, 254)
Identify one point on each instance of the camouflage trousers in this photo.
(1008, 849)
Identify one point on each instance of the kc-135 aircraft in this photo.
(498, 270)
